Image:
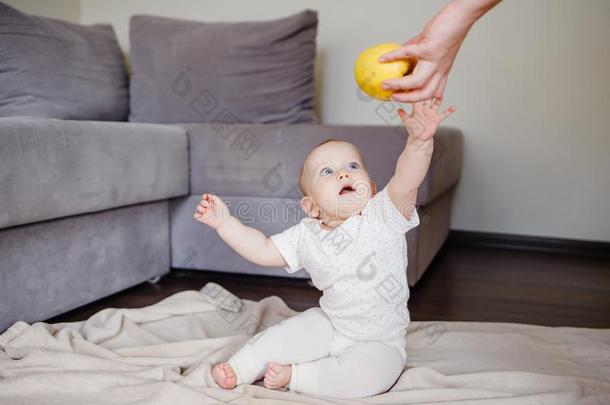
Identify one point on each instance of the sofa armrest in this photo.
(51, 168)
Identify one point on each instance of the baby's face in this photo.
(336, 181)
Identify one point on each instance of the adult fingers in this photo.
(422, 73)
(402, 52)
(419, 94)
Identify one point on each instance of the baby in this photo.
(352, 243)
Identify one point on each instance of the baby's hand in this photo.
(425, 118)
(212, 211)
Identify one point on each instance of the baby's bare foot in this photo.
(224, 376)
(277, 375)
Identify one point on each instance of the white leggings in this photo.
(323, 360)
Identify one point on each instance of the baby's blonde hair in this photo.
(302, 172)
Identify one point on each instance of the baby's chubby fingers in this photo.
(402, 114)
(199, 212)
(436, 103)
(447, 112)
(207, 199)
(418, 106)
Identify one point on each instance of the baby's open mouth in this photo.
(346, 189)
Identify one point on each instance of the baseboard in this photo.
(530, 243)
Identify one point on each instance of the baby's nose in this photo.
(342, 175)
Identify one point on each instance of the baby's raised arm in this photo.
(414, 160)
(249, 242)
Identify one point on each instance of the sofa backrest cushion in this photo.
(57, 69)
(232, 72)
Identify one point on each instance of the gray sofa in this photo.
(89, 207)
(84, 210)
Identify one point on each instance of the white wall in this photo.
(529, 84)
(67, 10)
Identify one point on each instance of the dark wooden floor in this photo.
(463, 284)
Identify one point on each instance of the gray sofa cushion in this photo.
(254, 160)
(52, 68)
(51, 168)
(250, 72)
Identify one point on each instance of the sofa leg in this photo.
(154, 280)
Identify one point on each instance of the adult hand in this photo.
(434, 50)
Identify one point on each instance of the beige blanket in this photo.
(163, 354)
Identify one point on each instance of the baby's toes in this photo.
(223, 378)
(268, 383)
(228, 370)
(274, 367)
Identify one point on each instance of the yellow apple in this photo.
(369, 72)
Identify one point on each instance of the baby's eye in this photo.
(323, 172)
(353, 164)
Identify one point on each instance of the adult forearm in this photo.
(248, 242)
(472, 10)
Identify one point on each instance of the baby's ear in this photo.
(309, 207)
